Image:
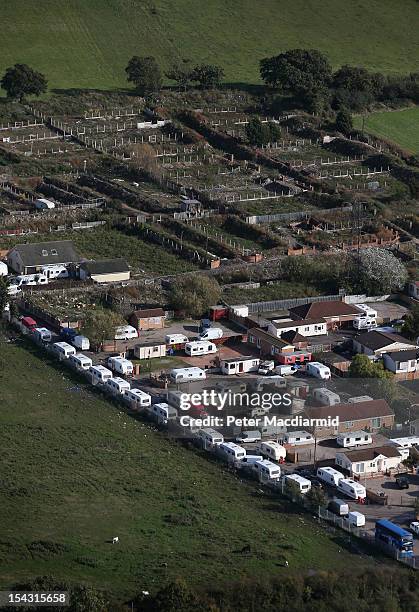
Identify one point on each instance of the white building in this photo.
(402, 362)
(239, 365)
(369, 461)
(305, 327)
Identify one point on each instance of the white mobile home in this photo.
(330, 476)
(163, 413)
(150, 350)
(230, 451)
(175, 339)
(138, 398)
(210, 437)
(121, 365)
(318, 370)
(80, 361)
(239, 365)
(200, 347)
(180, 375)
(117, 385)
(125, 332)
(297, 438)
(295, 481)
(355, 438)
(267, 471)
(272, 450)
(53, 272)
(352, 489)
(326, 397)
(42, 333)
(63, 350)
(100, 374)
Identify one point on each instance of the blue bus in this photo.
(394, 537)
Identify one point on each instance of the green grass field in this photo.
(87, 43)
(77, 471)
(402, 127)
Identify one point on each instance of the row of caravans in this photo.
(347, 486)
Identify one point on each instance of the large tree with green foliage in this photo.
(344, 121)
(182, 73)
(377, 271)
(21, 80)
(194, 295)
(4, 295)
(297, 71)
(362, 367)
(145, 73)
(99, 325)
(411, 324)
(208, 75)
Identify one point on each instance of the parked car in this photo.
(402, 482)
(414, 527)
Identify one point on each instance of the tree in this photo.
(362, 367)
(4, 295)
(175, 597)
(20, 80)
(377, 271)
(411, 324)
(344, 121)
(316, 497)
(145, 73)
(195, 295)
(297, 71)
(208, 75)
(99, 325)
(256, 133)
(181, 73)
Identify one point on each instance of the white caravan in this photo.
(295, 481)
(326, 397)
(121, 365)
(139, 398)
(163, 413)
(318, 370)
(63, 349)
(175, 339)
(125, 332)
(179, 375)
(352, 489)
(210, 437)
(100, 374)
(42, 333)
(272, 450)
(230, 451)
(267, 471)
(330, 476)
(353, 439)
(80, 361)
(200, 347)
(117, 385)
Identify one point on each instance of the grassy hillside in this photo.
(86, 43)
(76, 472)
(402, 127)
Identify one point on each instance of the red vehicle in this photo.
(29, 323)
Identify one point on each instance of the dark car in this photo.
(402, 482)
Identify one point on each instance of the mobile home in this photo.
(52, 272)
(118, 385)
(297, 438)
(198, 347)
(180, 375)
(63, 349)
(163, 413)
(80, 361)
(150, 350)
(121, 365)
(100, 374)
(172, 339)
(125, 332)
(267, 471)
(355, 438)
(139, 398)
(272, 450)
(330, 476)
(352, 489)
(231, 451)
(406, 442)
(239, 365)
(326, 397)
(318, 370)
(210, 437)
(295, 481)
(42, 333)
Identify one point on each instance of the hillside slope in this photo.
(86, 43)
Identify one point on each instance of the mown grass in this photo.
(402, 127)
(77, 471)
(87, 43)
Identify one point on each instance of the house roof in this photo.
(148, 313)
(40, 253)
(267, 337)
(402, 356)
(369, 454)
(376, 340)
(105, 266)
(296, 323)
(293, 336)
(239, 358)
(352, 412)
(316, 310)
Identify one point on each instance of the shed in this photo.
(149, 350)
(151, 318)
(105, 270)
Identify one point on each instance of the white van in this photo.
(318, 370)
(267, 471)
(212, 333)
(352, 489)
(231, 452)
(297, 438)
(357, 519)
(272, 449)
(354, 438)
(210, 437)
(139, 398)
(163, 413)
(249, 436)
(118, 385)
(121, 365)
(80, 361)
(330, 476)
(42, 333)
(100, 374)
(265, 367)
(81, 342)
(52, 272)
(200, 347)
(125, 332)
(179, 375)
(63, 349)
(297, 482)
(175, 339)
(285, 370)
(326, 397)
